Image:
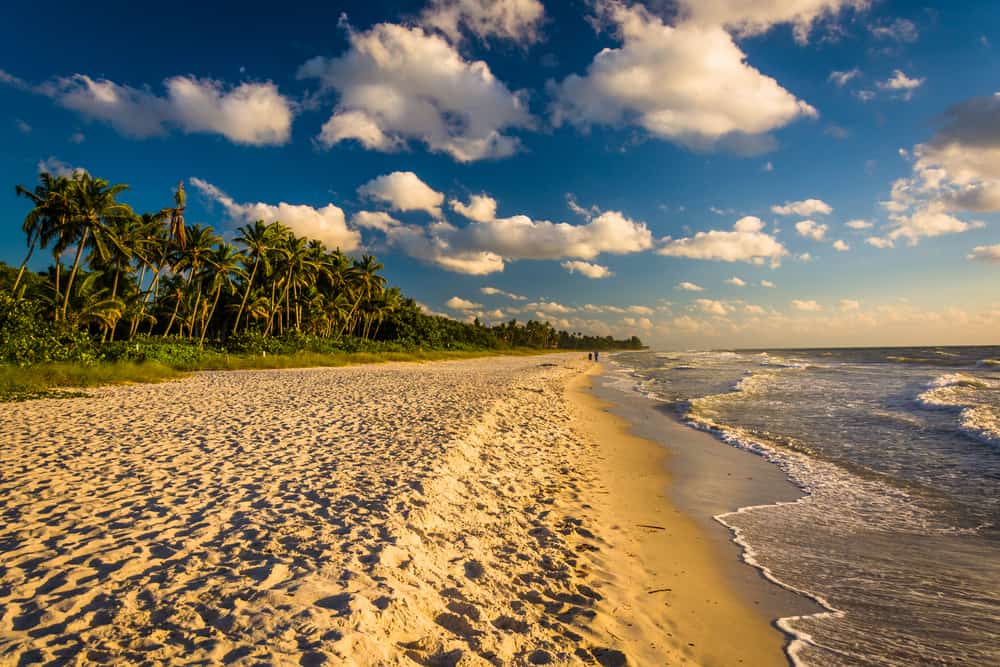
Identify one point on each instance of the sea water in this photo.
(898, 453)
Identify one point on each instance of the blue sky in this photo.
(659, 148)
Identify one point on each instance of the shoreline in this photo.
(664, 549)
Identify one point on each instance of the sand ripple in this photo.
(399, 514)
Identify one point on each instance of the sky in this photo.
(700, 173)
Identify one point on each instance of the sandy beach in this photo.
(453, 513)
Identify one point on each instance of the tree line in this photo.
(119, 275)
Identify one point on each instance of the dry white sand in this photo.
(433, 514)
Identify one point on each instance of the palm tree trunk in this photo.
(173, 316)
(211, 314)
(72, 273)
(20, 271)
(246, 295)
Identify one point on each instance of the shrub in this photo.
(27, 337)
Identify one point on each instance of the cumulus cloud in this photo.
(688, 83)
(746, 243)
(767, 283)
(712, 307)
(841, 246)
(689, 287)
(550, 307)
(810, 229)
(520, 237)
(738, 282)
(805, 207)
(959, 168)
(251, 113)
(56, 167)
(587, 269)
(842, 78)
(515, 20)
(901, 83)
(326, 224)
(751, 309)
(985, 253)
(754, 17)
(403, 191)
(458, 303)
(926, 222)
(481, 208)
(398, 84)
(879, 242)
(640, 310)
(509, 295)
(858, 224)
(807, 306)
(379, 220)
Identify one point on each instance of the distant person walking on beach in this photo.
(596, 357)
(590, 356)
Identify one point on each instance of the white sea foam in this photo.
(979, 417)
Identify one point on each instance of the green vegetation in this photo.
(140, 297)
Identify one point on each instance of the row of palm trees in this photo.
(153, 274)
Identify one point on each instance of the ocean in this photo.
(898, 453)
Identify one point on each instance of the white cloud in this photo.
(403, 191)
(689, 84)
(640, 310)
(900, 30)
(587, 269)
(458, 303)
(985, 253)
(751, 309)
(77, 137)
(520, 237)
(847, 305)
(841, 246)
(481, 208)
(746, 243)
(844, 77)
(689, 287)
(805, 207)
(56, 167)
(550, 307)
(810, 229)
(768, 284)
(433, 246)
(900, 82)
(959, 168)
(808, 306)
(399, 83)
(712, 307)
(22, 126)
(509, 295)
(879, 242)
(516, 20)
(250, 113)
(926, 222)
(379, 220)
(326, 224)
(752, 17)
(738, 282)
(858, 224)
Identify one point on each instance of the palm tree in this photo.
(95, 205)
(176, 215)
(52, 208)
(192, 257)
(224, 267)
(257, 239)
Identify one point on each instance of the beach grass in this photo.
(66, 380)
